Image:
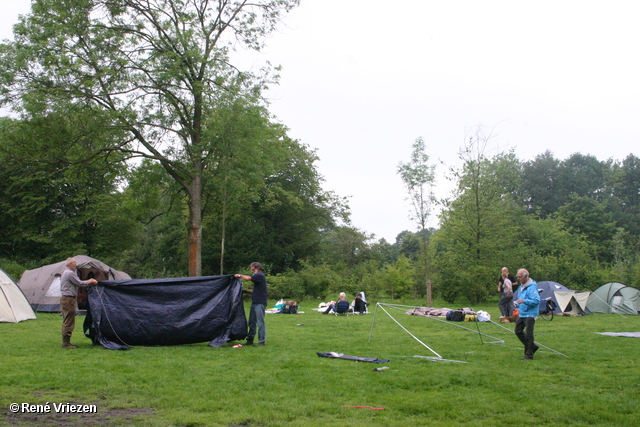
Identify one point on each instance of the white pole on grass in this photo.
(537, 343)
(498, 340)
(403, 328)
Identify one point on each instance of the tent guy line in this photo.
(439, 357)
(537, 343)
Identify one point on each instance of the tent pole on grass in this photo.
(536, 342)
(404, 307)
(404, 329)
(481, 334)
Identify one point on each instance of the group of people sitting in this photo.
(359, 304)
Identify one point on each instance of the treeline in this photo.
(575, 221)
(60, 197)
(137, 139)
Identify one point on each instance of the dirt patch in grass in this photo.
(102, 417)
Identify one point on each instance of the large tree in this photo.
(154, 68)
(418, 177)
(540, 186)
(479, 228)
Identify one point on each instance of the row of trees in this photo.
(136, 140)
(58, 203)
(554, 217)
(65, 203)
(496, 217)
(132, 122)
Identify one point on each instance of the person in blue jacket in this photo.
(528, 306)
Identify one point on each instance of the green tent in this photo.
(614, 297)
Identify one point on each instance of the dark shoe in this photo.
(69, 345)
(260, 343)
(527, 358)
(249, 342)
(535, 349)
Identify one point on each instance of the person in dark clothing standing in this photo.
(258, 304)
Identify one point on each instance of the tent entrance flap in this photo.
(573, 303)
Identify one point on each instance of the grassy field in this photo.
(286, 383)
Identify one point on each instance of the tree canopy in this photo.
(155, 70)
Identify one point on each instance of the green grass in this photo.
(286, 383)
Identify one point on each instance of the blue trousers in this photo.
(256, 323)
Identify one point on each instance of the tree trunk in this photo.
(224, 230)
(195, 226)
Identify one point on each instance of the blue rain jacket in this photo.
(531, 297)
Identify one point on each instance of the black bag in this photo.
(457, 316)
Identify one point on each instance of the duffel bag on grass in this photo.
(457, 316)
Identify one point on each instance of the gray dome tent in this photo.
(41, 285)
(615, 297)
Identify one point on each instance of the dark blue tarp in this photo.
(125, 313)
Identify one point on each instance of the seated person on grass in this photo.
(359, 304)
(338, 306)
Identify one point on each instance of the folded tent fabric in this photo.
(176, 311)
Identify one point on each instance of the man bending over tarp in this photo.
(125, 313)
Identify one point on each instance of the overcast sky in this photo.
(361, 80)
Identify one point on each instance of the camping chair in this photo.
(342, 308)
